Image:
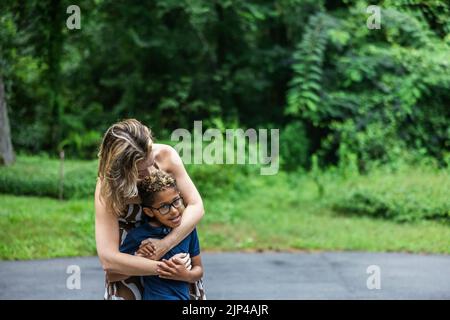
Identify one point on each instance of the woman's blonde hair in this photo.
(124, 144)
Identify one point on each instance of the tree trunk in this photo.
(6, 149)
(55, 45)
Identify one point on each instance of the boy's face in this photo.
(163, 199)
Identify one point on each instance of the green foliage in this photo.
(348, 166)
(270, 215)
(376, 91)
(253, 63)
(294, 146)
(408, 195)
(84, 145)
(397, 192)
(316, 174)
(304, 97)
(214, 180)
(39, 176)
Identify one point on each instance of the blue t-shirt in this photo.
(156, 288)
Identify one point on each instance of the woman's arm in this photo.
(193, 212)
(107, 239)
(183, 258)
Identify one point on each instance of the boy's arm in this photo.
(197, 269)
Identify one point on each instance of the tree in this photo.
(6, 149)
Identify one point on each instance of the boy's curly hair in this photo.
(155, 182)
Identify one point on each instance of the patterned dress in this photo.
(132, 288)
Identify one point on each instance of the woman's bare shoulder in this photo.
(161, 148)
(166, 157)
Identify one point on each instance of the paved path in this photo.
(338, 275)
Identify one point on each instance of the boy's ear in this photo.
(148, 212)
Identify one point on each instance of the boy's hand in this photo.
(173, 269)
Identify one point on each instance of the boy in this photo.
(163, 207)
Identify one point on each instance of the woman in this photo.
(127, 154)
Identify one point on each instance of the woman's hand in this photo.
(152, 249)
(146, 249)
(173, 269)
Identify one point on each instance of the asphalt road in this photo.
(336, 275)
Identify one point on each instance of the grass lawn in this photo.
(273, 214)
(281, 216)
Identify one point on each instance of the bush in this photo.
(39, 176)
(409, 195)
(375, 92)
(214, 180)
(82, 145)
(294, 147)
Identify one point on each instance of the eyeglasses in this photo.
(165, 208)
